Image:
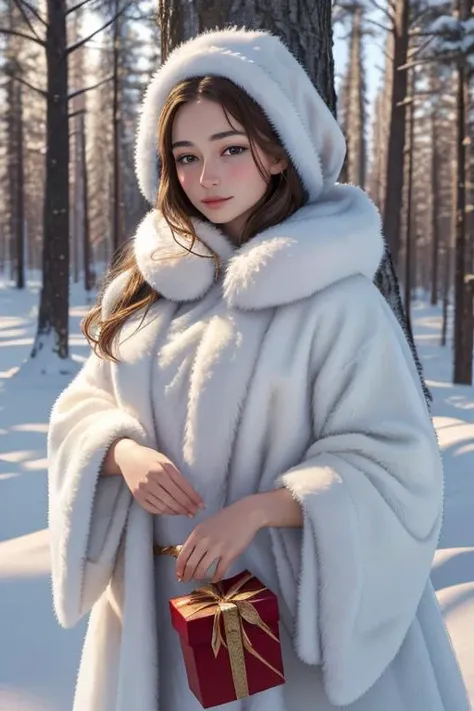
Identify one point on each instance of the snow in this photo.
(452, 35)
(469, 25)
(38, 659)
(445, 24)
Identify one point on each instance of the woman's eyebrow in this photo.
(214, 137)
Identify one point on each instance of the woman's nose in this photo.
(209, 176)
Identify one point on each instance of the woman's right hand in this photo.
(156, 484)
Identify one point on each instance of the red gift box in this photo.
(230, 639)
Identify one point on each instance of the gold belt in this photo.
(173, 551)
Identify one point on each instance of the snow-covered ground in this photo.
(38, 660)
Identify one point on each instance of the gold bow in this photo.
(234, 606)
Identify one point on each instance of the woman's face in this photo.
(214, 161)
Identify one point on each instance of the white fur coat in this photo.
(291, 371)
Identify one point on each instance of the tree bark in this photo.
(53, 318)
(15, 167)
(20, 197)
(116, 232)
(447, 253)
(444, 323)
(353, 114)
(462, 292)
(88, 280)
(76, 77)
(16, 181)
(435, 205)
(170, 20)
(409, 192)
(396, 140)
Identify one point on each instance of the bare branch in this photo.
(79, 112)
(426, 93)
(15, 33)
(89, 88)
(343, 38)
(421, 33)
(382, 27)
(428, 60)
(423, 46)
(19, 5)
(383, 9)
(77, 7)
(43, 93)
(405, 102)
(80, 43)
(35, 12)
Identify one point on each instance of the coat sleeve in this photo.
(87, 513)
(371, 489)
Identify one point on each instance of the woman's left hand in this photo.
(224, 536)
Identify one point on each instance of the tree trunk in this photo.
(409, 192)
(380, 124)
(462, 300)
(20, 188)
(116, 236)
(76, 209)
(10, 68)
(435, 206)
(353, 119)
(15, 175)
(53, 322)
(170, 20)
(396, 140)
(446, 272)
(447, 253)
(76, 75)
(88, 281)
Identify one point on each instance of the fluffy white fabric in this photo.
(318, 393)
(320, 244)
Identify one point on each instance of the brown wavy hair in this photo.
(284, 195)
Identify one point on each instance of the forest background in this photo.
(399, 76)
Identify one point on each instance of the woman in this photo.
(252, 397)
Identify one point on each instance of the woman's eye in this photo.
(185, 160)
(236, 150)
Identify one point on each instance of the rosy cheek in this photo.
(243, 170)
(184, 179)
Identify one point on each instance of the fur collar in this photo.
(319, 245)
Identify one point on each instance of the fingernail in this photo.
(190, 515)
(202, 506)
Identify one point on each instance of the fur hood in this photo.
(260, 64)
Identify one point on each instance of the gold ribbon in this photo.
(234, 607)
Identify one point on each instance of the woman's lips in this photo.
(216, 203)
